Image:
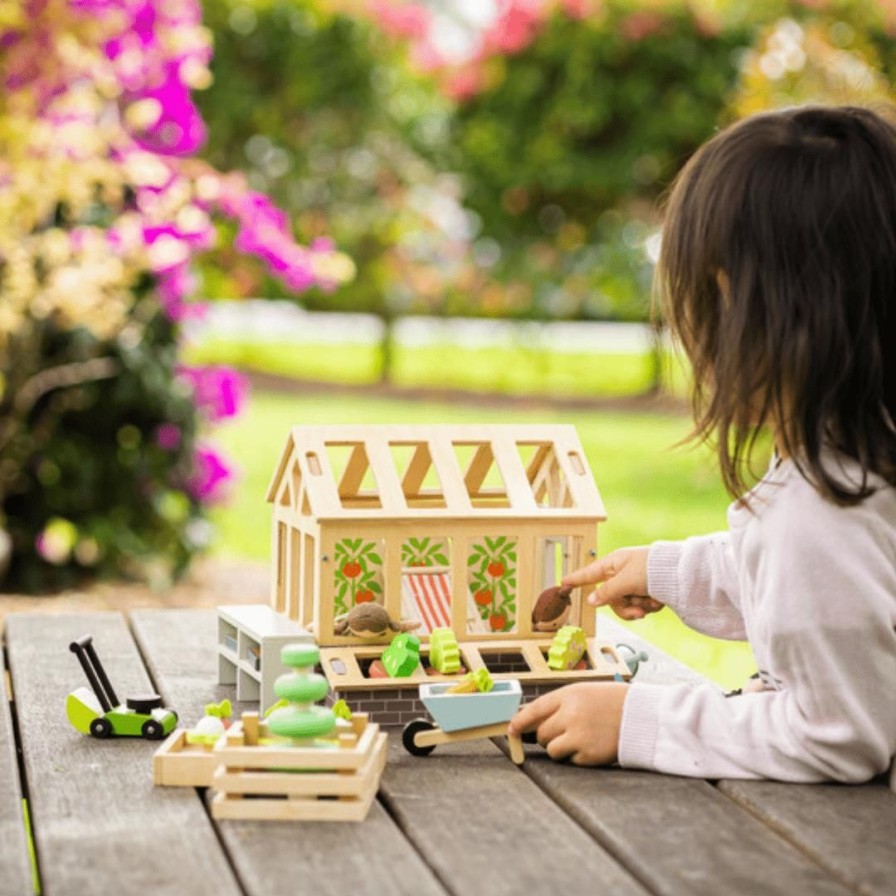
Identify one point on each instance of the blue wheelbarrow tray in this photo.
(455, 712)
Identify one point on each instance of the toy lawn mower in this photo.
(97, 711)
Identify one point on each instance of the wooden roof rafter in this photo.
(418, 471)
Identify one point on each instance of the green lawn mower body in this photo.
(96, 710)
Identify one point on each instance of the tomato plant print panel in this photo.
(417, 552)
(492, 577)
(358, 577)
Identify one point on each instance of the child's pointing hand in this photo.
(624, 576)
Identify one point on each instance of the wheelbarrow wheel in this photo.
(410, 732)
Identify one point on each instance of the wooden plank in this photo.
(272, 859)
(485, 827)
(100, 826)
(699, 842)
(680, 836)
(846, 829)
(14, 860)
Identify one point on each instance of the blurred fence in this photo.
(264, 320)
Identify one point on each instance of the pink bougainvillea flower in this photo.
(403, 20)
(463, 83)
(515, 29)
(219, 391)
(179, 129)
(208, 483)
(168, 437)
(174, 287)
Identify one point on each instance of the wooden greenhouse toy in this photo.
(457, 533)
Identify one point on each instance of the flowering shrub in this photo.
(103, 464)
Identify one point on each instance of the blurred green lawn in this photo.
(513, 369)
(651, 489)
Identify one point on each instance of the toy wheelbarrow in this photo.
(467, 716)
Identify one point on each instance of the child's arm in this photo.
(698, 579)
(695, 577)
(820, 586)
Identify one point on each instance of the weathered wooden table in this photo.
(463, 821)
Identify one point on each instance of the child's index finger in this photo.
(531, 715)
(589, 575)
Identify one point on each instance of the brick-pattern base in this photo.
(387, 707)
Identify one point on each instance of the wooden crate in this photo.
(336, 781)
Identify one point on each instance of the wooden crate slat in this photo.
(265, 811)
(177, 763)
(233, 781)
(290, 757)
(88, 797)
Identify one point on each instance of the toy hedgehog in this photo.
(369, 620)
(552, 608)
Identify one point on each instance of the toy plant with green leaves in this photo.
(444, 651)
(212, 725)
(478, 682)
(301, 721)
(402, 656)
(567, 648)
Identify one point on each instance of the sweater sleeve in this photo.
(697, 579)
(822, 610)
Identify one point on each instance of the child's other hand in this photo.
(579, 722)
(624, 576)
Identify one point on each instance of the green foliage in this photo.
(90, 489)
(587, 117)
(424, 552)
(561, 155)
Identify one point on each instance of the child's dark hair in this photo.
(778, 274)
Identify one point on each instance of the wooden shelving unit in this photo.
(249, 641)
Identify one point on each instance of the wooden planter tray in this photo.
(177, 763)
(342, 665)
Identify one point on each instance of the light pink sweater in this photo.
(812, 587)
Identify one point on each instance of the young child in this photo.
(778, 277)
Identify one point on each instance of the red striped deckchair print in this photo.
(427, 597)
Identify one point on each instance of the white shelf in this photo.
(250, 638)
